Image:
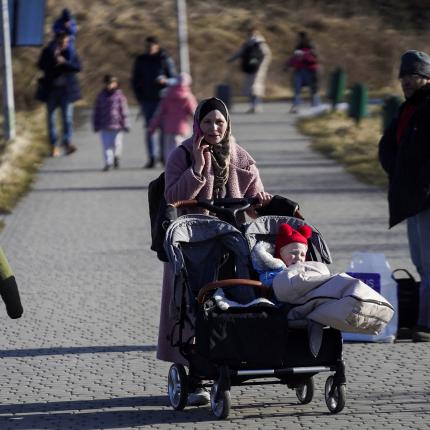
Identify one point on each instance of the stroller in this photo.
(249, 344)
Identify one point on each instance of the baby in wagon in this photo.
(337, 300)
(288, 255)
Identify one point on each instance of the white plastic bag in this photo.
(373, 269)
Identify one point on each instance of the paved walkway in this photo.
(83, 355)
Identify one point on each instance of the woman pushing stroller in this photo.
(209, 165)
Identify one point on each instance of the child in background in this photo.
(174, 113)
(110, 117)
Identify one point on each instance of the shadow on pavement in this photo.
(35, 352)
(53, 415)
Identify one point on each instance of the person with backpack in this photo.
(208, 165)
(255, 56)
(304, 63)
(151, 73)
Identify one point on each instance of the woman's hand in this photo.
(199, 147)
(263, 199)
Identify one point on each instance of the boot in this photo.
(150, 164)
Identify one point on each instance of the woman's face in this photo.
(213, 127)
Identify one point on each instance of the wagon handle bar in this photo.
(228, 283)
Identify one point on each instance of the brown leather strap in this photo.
(228, 283)
(184, 203)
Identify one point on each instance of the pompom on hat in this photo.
(287, 234)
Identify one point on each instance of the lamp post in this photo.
(6, 63)
(184, 58)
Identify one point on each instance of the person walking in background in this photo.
(304, 63)
(174, 113)
(150, 75)
(110, 117)
(404, 153)
(65, 23)
(59, 88)
(255, 56)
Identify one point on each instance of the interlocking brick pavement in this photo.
(83, 355)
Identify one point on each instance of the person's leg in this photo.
(419, 238)
(108, 141)
(117, 148)
(51, 107)
(297, 85)
(171, 141)
(254, 101)
(313, 84)
(148, 110)
(67, 118)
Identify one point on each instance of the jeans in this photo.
(419, 240)
(58, 99)
(305, 78)
(148, 110)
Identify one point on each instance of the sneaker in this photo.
(70, 149)
(200, 397)
(116, 162)
(106, 168)
(150, 164)
(421, 334)
(55, 151)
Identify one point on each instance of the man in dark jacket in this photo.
(59, 88)
(404, 153)
(151, 72)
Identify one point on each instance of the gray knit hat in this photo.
(415, 63)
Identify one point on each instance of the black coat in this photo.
(147, 68)
(408, 164)
(52, 70)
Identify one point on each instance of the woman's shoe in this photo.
(116, 162)
(199, 397)
(150, 164)
(106, 168)
(70, 149)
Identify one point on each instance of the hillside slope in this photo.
(364, 37)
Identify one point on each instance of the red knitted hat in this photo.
(287, 234)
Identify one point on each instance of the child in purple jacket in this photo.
(110, 117)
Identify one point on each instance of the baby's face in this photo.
(293, 252)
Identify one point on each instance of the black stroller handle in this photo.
(227, 208)
(228, 283)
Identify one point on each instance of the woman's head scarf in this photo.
(220, 153)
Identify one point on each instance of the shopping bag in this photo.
(373, 269)
(408, 296)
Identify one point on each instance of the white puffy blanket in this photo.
(340, 301)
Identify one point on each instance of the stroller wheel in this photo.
(335, 396)
(220, 402)
(177, 386)
(305, 391)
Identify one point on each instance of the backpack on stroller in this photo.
(252, 339)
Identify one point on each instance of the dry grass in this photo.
(355, 146)
(21, 159)
(364, 37)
